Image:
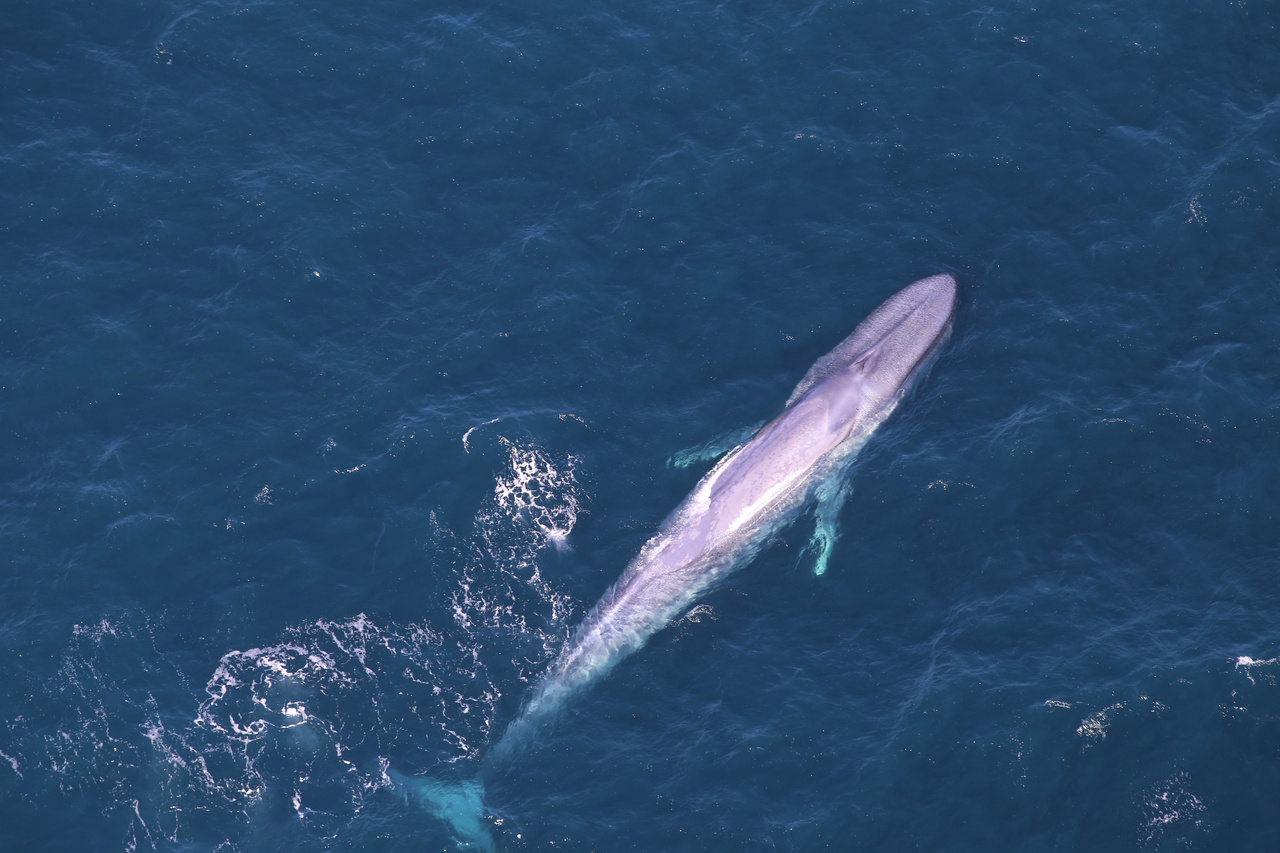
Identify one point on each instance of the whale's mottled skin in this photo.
(753, 490)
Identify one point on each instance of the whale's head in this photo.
(899, 339)
(863, 378)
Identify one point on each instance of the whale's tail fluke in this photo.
(459, 804)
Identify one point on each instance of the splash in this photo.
(1170, 809)
(534, 505)
(310, 722)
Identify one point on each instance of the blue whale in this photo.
(754, 490)
(800, 457)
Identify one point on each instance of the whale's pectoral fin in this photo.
(459, 804)
(713, 449)
(831, 497)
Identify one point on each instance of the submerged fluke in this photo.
(458, 804)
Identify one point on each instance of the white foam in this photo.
(534, 505)
(1093, 728)
(466, 436)
(322, 703)
(1168, 806)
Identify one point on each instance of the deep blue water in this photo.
(346, 348)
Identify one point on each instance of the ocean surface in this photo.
(349, 352)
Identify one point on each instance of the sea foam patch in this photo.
(310, 722)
